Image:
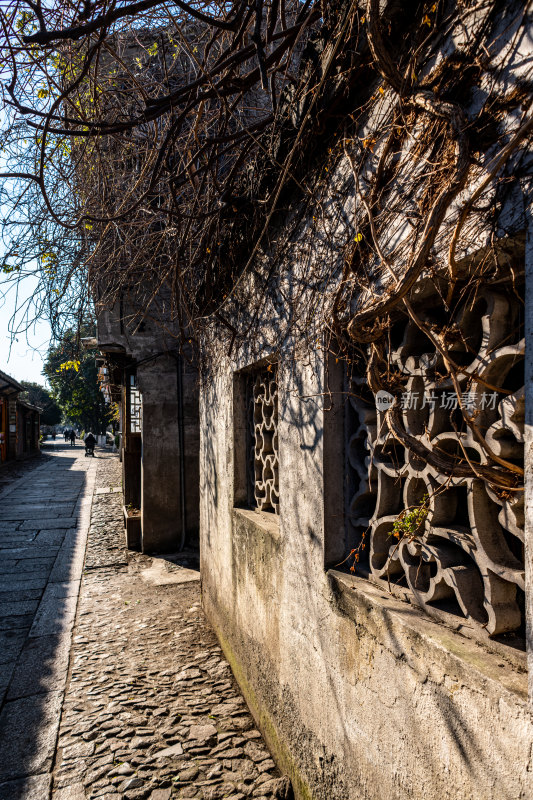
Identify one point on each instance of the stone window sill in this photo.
(411, 635)
(265, 522)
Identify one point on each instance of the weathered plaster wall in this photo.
(160, 490)
(170, 436)
(359, 695)
(165, 501)
(191, 448)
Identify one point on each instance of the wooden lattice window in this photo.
(135, 403)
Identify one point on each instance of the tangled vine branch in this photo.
(187, 156)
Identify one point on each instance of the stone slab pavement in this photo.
(12, 470)
(44, 520)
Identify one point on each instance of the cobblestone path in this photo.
(44, 518)
(151, 710)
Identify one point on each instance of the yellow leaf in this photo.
(75, 365)
(426, 21)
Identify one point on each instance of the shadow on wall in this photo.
(209, 489)
(372, 707)
(41, 562)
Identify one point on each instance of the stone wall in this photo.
(160, 458)
(359, 693)
(417, 688)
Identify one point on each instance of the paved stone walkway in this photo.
(10, 471)
(44, 517)
(150, 709)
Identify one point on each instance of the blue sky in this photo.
(22, 356)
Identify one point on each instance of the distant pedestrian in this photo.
(90, 441)
(67, 434)
(72, 438)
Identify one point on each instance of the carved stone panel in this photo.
(467, 557)
(263, 470)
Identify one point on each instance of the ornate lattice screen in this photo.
(263, 466)
(135, 409)
(467, 558)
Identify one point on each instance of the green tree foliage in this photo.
(73, 376)
(39, 396)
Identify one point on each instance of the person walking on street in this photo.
(72, 438)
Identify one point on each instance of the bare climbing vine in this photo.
(216, 165)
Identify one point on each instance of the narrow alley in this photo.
(113, 684)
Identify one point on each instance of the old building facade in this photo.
(19, 422)
(156, 388)
(144, 369)
(405, 676)
(364, 435)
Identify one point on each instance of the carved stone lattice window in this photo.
(468, 556)
(263, 465)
